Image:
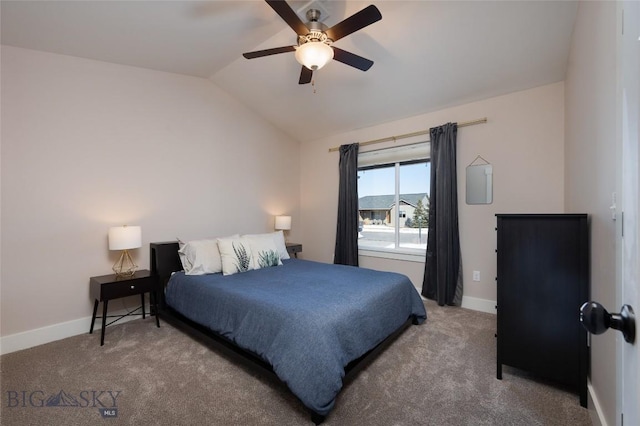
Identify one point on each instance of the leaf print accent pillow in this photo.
(264, 251)
(236, 255)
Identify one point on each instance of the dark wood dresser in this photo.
(542, 280)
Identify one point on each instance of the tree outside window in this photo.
(420, 217)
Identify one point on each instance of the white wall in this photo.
(591, 170)
(87, 145)
(523, 139)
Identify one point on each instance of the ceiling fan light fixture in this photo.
(314, 54)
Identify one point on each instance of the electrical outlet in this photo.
(476, 275)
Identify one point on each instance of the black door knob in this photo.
(595, 318)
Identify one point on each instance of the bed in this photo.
(310, 323)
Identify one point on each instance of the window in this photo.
(393, 191)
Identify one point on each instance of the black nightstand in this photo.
(293, 248)
(108, 287)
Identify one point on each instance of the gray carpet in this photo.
(439, 373)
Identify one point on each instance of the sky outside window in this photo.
(414, 178)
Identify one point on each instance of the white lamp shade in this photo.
(283, 223)
(314, 54)
(125, 237)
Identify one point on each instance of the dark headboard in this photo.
(164, 261)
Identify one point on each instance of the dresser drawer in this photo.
(126, 288)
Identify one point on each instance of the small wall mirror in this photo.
(479, 183)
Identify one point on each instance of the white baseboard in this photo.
(482, 305)
(595, 410)
(40, 336)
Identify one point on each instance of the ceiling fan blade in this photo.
(305, 76)
(267, 52)
(351, 59)
(289, 16)
(355, 22)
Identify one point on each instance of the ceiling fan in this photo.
(314, 48)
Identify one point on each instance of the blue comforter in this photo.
(308, 320)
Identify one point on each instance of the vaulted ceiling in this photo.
(428, 55)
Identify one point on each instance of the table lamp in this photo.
(124, 238)
(283, 223)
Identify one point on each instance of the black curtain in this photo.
(346, 251)
(443, 267)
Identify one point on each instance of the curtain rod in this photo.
(408, 135)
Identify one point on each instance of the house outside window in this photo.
(393, 190)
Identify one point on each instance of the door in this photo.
(628, 237)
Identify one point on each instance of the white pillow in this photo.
(200, 257)
(278, 238)
(236, 255)
(186, 263)
(263, 250)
